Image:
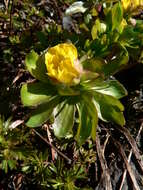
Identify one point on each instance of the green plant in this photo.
(89, 93)
(12, 149)
(56, 175)
(108, 37)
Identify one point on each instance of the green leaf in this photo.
(64, 90)
(92, 111)
(12, 164)
(117, 15)
(33, 94)
(85, 125)
(119, 60)
(88, 120)
(94, 65)
(112, 88)
(5, 165)
(35, 64)
(31, 60)
(95, 29)
(64, 119)
(42, 113)
(89, 76)
(109, 108)
(128, 35)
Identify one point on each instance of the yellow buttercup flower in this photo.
(126, 4)
(131, 4)
(62, 63)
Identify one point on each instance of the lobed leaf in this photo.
(33, 94)
(117, 15)
(87, 120)
(64, 119)
(85, 124)
(119, 60)
(109, 108)
(112, 88)
(35, 64)
(42, 113)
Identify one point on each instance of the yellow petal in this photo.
(126, 4)
(60, 63)
(131, 4)
(64, 50)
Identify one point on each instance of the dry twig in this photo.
(6, 2)
(133, 144)
(128, 166)
(105, 174)
(129, 158)
(105, 143)
(53, 152)
(52, 146)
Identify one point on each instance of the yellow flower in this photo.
(62, 63)
(131, 4)
(126, 4)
